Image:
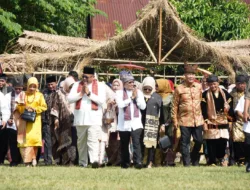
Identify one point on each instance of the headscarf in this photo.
(149, 81)
(67, 82)
(164, 87)
(32, 80)
(119, 82)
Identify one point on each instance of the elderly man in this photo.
(246, 119)
(88, 96)
(237, 135)
(186, 114)
(11, 99)
(217, 109)
(129, 101)
(51, 88)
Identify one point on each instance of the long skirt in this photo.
(28, 153)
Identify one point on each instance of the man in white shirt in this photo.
(129, 101)
(88, 96)
(11, 99)
(246, 119)
(246, 128)
(4, 116)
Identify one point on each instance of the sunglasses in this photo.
(18, 88)
(147, 89)
(130, 82)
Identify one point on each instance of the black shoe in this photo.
(95, 165)
(195, 164)
(138, 166)
(13, 164)
(248, 167)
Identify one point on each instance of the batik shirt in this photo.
(186, 110)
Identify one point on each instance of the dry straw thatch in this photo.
(128, 45)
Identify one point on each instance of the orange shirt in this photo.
(186, 109)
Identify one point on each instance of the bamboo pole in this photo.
(160, 37)
(149, 62)
(103, 74)
(173, 48)
(147, 45)
(65, 67)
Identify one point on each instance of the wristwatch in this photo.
(89, 94)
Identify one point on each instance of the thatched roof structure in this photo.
(236, 47)
(129, 45)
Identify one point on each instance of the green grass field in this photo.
(56, 177)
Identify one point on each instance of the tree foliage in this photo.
(65, 17)
(216, 20)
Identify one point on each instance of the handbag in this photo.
(28, 116)
(164, 143)
(108, 117)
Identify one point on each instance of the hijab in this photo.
(67, 83)
(148, 81)
(164, 87)
(32, 80)
(119, 82)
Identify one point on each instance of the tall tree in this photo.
(216, 20)
(65, 17)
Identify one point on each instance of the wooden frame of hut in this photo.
(158, 37)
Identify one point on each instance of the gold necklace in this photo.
(30, 102)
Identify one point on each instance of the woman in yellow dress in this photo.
(30, 134)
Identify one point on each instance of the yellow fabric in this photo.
(33, 130)
(33, 80)
(164, 88)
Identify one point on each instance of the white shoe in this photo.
(34, 162)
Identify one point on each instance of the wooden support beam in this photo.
(147, 45)
(173, 48)
(40, 73)
(160, 37)
(148, 62)
(160, 76)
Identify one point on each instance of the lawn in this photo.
(56, 177)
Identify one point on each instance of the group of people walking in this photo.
(121, 123)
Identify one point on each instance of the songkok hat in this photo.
(3, 76)
(212, 78)
(189, 68)
(18, 81)
(50, 79)
(89, 70)
(241, 79)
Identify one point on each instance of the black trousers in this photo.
(14, 150)
(3, 144)
(47, 144)
(247, 147)
(216, 149)
(124, 140)
(239, 151)
(186, 133)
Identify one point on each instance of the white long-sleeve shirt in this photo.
(85, 115)
(8, 100)
(4, 108)
(240, 108)
(135, 122)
